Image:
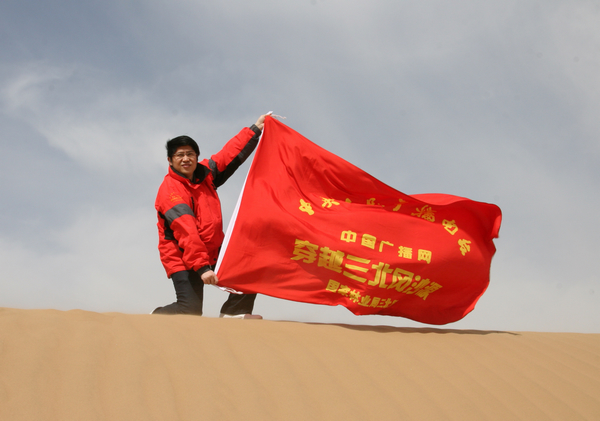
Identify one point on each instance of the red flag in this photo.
(314, 228)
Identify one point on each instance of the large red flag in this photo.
(313, 228)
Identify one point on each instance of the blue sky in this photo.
(495, 101)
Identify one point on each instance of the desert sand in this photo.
(80, 365)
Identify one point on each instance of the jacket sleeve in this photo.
(180, 245)
(224, 163)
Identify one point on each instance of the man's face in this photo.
(184, 160)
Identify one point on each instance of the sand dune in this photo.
(79, 365)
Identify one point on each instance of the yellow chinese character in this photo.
(305, 251)
(364, 301)
(426, 213)
(368, 241)
(355, 267)
(399, 205)
(401, 279)
(330, 259)
(348, 236)
(329, 202)
(382, 270)
(424, 255)
(405, 252)
(388, 302)
(375, 302)
(416, 286)
(450, 226)
(344, 290)
(465, 246)
(371, 201)
(306, 207)
(332, 286)
(382, 243)
(424, 293)
(175, 197)
(354, 296)
(348, 200)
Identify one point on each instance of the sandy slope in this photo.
(79, 365)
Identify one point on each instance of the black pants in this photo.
(189, 289)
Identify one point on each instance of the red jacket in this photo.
(190, 226)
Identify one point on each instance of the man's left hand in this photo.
(260, 123)
(209, 278)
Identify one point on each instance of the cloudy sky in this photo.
(497, 101)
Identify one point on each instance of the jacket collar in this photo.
(199, 175)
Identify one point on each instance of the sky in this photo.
(496, 101)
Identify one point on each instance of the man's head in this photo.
(182, 153)
(179, 141)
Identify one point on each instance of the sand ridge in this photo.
(67, 365)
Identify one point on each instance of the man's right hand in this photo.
(209, 278)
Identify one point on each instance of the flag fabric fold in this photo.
(313, 228)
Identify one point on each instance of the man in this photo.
(190, 227)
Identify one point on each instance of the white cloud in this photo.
(100, 126)
(101, 262)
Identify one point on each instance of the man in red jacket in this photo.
(190, 227)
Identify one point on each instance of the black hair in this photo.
(179, 141)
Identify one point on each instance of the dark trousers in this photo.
(189, 290)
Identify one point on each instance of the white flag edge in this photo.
(231, 226)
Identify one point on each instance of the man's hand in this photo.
(209, 278)
(260, 123)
